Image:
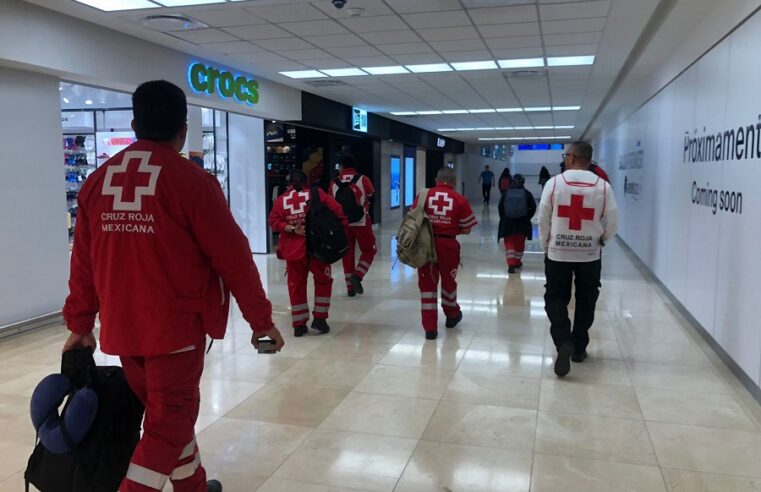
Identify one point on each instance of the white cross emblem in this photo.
(140, 191)
(296, 202)
(441, 203)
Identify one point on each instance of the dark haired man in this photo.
(156, 254)
(360, 231)
(577, 216)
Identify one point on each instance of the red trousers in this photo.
(515, 245)
(448, 255)
(168, 386)
(365, 237)
(298, 274)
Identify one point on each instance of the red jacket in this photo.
(448, 211)
(155, 251)
(290, 209)
(363, 189)
(599, 171)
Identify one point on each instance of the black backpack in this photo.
(348, 200)
(99, 463)
(326, 238)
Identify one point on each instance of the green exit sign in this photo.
(206, 79)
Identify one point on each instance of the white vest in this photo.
(578, 207)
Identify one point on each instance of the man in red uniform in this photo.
(450, 214)
(288, 217)
(360, 231)
(156, 254)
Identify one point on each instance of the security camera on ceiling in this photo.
(339, 4)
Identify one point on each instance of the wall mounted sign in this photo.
(441, 143)
(206, 79)
(359, 120)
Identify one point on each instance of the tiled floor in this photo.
(375, 407)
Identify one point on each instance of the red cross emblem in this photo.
(441, 203)
(132, 184)
(296, 202)
(576, 213)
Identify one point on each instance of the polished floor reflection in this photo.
(373, 406)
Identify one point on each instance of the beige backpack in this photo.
(414, 241)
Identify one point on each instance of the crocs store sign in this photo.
(206, 79)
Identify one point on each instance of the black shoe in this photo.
(213, 486)
(320, 325)
(356, 282)
(452, 322)
(431, 335)
(351, 293)
(579, 357)
(300, 331)
(511, 269)
(563, 359)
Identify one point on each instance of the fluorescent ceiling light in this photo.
(524, 127)
(565, 127)
(426, 113)
(516, 138)
(485, 129)
(183, 3)
(504, 128)
(484, 139)
(465, 129)
(480, 111)
(566, 108)
(429, 68)
(88, 102)
(447, 130)
(539, 108)
(304, 74)
(385, 70)
(112, 5)
(455, 111)
(565, 137)
(509, 110)
(570, 61)
(547, 138)
(343, 72)
(477, 65)
(544, 128)
(403, 113)
(522, 63)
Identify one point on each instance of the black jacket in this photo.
(508, 227)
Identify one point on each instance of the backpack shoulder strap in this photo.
(422, 197)
(356, 178)
(314, 195)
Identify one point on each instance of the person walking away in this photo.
(595, 168)
(544, 176)
(156, 255)
(353, 191)
(487, 181)
(288, 217)
(516, 209)
(504, 180)
(577, 217)
(450, 215)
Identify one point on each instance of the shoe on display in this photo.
(579, 357)
(320, 325)
(563, 359)
(356, 282)
(300, 331)
(511, 269)
(213, 486)
(452, 322)
(351, 293)
(431, 335)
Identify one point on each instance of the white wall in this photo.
(709, 262)
(33, 237)
(247, 178)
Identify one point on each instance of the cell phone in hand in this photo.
(267, 346)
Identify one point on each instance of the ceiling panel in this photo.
(284, 44)
(325, 63)
(314, 28)
(391, 37)
(262, 58)
(571, 39)
(420, 58)
(574, 25)
(459, 45)
(405, 48)
(509, 53)
(227, 17)
(576, 10)
(369, 61)
(438, 19)
(205, 36)
(450, 34)
(363, 51)
(461, 56)
(293, 12)
(264, 31)
(504, 30)
(233, 47)
(579, 49)
(336, 41)
(504, 15)
(515, 42)
(411, 6)
(370, 7)
(307, 54)
(374, 24)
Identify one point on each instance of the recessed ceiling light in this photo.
(455, 111)
(113, 5)
(524, 127)
(566, 137)
(403, 113)
(504, 128)
(426, 113)
(547, 138)
(544, 128)
(569, 61)
(484, 139)
(480, 111)
(304, 74)
(522, 63)
(88, 101)
(566, 108)
(509, 110)
(343, 72)
(447, 130)
(465, 129)
(516, 138)
(477, 65)
(66, 100)
(485, 129)
(565, 127)
(183, 3)
(539, 108)
(429, 68)
(385, 70)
